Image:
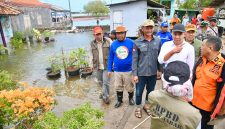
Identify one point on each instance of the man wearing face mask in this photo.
(120, 60)
(145, 65)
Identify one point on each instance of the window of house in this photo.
(117, 18)
(27, 22)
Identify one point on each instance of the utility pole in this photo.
(71, 19)
(70, 9)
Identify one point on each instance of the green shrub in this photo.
(6, 82)
(48, 121)
(47, 33)
(2, 49)
(18, 35)
(56, 63)
(6, 113)
(77, 58)
(17, 43)
(17, 39)
(84, 117)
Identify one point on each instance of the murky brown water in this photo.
(29, 64)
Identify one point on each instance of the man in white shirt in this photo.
(178, 49)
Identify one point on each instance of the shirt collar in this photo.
(143, 39)
(218, 60)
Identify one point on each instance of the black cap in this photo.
(113, 32)
(179, 28)
(213, 19)
(177, 72)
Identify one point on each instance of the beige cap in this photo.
(148, 22)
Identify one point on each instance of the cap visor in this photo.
(190, 30)
(179, 31)
(148, 25)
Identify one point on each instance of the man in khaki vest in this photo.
(100, 47)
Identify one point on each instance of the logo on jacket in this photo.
(122, 52)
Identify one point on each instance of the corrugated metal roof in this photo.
(29, 3)
(8, 10)
(149, 2)
(57, 8)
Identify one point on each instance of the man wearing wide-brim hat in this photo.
(178, 49)
(144, 65)
(120, 60)
(190, 38)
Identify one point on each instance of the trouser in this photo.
(205, 119)
(150, 82)
(104, 82)
(123, 80)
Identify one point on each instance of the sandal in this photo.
(138, 113)
(147, 110)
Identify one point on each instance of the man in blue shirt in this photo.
(120, 60)
(164, 34)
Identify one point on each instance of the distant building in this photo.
(5, 22)
(131, 14)
(60, 17)
(37, 15)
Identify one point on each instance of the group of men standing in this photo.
(138, 64)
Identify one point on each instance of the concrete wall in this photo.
(7, 28)
(133, 15)
(31, 18)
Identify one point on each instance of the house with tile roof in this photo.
(37, 15)
(5, 22)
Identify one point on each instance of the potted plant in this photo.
(71, 61)
(83, 63)
(54, 71)
(47, 34)
(86, 71)
(37, 35)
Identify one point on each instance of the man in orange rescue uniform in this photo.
(208, 78)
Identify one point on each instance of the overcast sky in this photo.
(76, 5)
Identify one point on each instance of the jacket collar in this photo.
(143, 39)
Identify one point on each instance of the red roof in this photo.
(8, 10)
(29, 3)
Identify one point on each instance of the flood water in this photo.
(29, 65)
